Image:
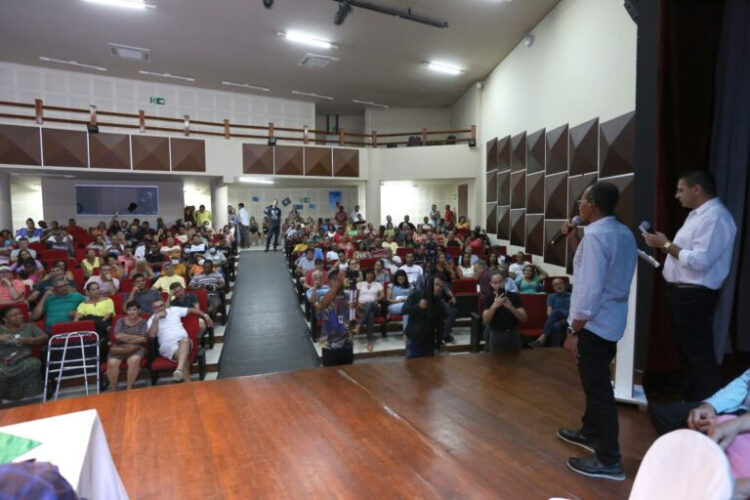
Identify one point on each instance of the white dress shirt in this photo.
(707, 241)
(244, 217)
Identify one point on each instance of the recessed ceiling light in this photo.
(129, 52)
(71, 63)
(312, 94)
(167, 75)
(253, 180)
(246, 86)
(128, 4)
(296, 36)
(369, 103)
(444, 68)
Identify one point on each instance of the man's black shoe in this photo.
(265, 250)
(592, 467)
(575, 437)
(450, 340)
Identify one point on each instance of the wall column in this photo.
(6, 214)
(219, 202)
(372, 196)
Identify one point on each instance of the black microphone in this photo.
(559, 235)
(645, 227)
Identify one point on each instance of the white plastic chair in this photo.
(684, 465)
(78, 357)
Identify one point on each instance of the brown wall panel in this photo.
(491, 222)
(150, 153)
(617, 145)
(535, 193)
(492, 154)
(535, 144)
(584, 147)
(518, 152)
(503, 223)
(503, 188)
(576, 186)
(518, 190)
(518, 227)
(557, 150)
(553, 254)
(625, 208)
(318, 161)
(491, 187)
(64, 148)
(288, 160)
(188, 155)
(503, 153)
(557, 196)
(257, 159)
(109, 151)
(20, 145)
(535, 234)
(345, 162)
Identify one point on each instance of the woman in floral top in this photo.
(20, 372)
(333, 310)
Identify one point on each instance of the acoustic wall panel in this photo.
(535, 144)
(584, 147)
(65, 148)
(491, 217)
(257, 159)
(535, 193)
(503, 188)
(518, 227)
(318, 161)
(345, 162)
(20, 145)
(518, 190)
(576, 186)
(518, 152)
(553, 254)
(492, 154)
(188, 155)
(492, 187)
(150, 153)
(503, 223)
(625, 208)
(503, 153)
(617, 145)
(288, 160)
(556, 192)
(109, 151)
(557, 150)
(535, 234)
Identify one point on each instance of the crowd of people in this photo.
(134, 281)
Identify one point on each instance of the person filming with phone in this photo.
(502, 313)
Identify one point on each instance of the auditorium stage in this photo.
(458, 426)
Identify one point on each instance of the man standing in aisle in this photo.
(203, 216)
(603, 269)
(244, 219)
(273, 212)
(698, 261)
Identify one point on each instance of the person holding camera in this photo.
(502, 314)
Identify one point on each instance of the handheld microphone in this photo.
(645, 227)
(559, 235)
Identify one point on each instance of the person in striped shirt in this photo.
(211, 281)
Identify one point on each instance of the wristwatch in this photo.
(666, 246)
(571, 332)
(16, 338)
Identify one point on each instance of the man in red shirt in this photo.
(448, 217)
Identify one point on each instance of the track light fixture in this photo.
(344, 9)
(267, 4)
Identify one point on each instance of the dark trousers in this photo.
(451, 312)
(555, 327)
(340, 356)
(600, 424)
(414, 350)
(273, 232)
(369, 310)
(692, 310)
(245, 236)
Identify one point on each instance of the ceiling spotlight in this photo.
(272, 141)
(344, 9)
(267, 4)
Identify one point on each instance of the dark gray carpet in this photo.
(266, 331)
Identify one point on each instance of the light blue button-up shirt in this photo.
(603, 269)
(734, 396)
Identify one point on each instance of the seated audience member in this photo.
(502, 313)
(21, 373)
(307, 279)
(142, 295)
(397, 293)
(178, 297)
(424, 330)
(529, 281)
(319, 282)
(510, 283)
(46, 283)
(197, 246)
(413, 271)
(382, 275)
(212, 282)
(174, 342)
(67, 273)
(343, 260)
(99, 244)
(732, 434)
(369, 295)
(11, 290)
(30, 232)
(445, 268)
(142, 267)
(171, 250)
(127, 260)
(391, 262)
(6, 246)
(58, 304)
(306, 262)
(390, 243)
(334, 312)
(218, 259)
(465, 267)
(90, 263)
(108, 284)
(131, 341)
(23, 244)
(168, 278)
(97, 308)
(476, 241)
(57, 241)
(154, 257)
(451, 240)
(114, 266)
(516, 268)
(558, 306)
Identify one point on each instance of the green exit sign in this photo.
(157, 100)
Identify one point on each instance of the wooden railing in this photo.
(142, 122)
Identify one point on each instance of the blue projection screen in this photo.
(110, 200)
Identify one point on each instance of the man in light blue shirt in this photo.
(603, 269)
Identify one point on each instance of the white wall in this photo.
(319, 196)
(197, 193)
(386, 121)
(415, 199)
(467, 110)
(27, 200)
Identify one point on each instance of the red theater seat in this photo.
(535, 305)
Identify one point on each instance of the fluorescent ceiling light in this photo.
(444, 68)
(71, 63)
(296, 36)
(129, 52)
(312, 94)
(246, 86)
(128, 4)
(369, 103)
(167, 75)
(253, 180)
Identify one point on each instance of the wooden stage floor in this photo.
(466, 426)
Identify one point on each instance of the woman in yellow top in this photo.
(99, 309)
(90, 263)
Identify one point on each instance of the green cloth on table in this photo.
(12, 447)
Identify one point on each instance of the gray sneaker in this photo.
(592, 467)
(575, 437)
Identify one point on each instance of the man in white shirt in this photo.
(174, 342)
(413, 271)
(354, 214)
(244, 226)
(516, 268)
(698, 262)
